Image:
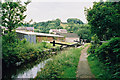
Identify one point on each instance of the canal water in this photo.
(28, 70)
(31, 73)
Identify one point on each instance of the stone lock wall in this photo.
(41, 38)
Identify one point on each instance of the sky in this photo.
(44, 10)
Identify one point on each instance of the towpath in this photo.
(83, 70)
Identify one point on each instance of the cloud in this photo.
(43, 11)
(64, 0)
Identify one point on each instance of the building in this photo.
(62, 31)
(30, 29)
(55, 31)
(69, 37)
(40, 37)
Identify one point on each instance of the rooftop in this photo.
(38, 34)
(25, 28)
(68, 34)
(58, 30)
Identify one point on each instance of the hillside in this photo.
(72, 26)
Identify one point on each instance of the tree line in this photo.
(104, 19)
(73, 25)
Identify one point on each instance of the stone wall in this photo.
(41, 38)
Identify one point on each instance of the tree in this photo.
(57, 21)
(71, 25)
(84, 31)
(74, 20)
(13, 14)
(104, 19)
(0, 13)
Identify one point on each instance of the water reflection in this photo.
(31, 73)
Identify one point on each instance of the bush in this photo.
(9, 49)
(15, 50)
(109, 54)
(110, 51)
(95, 44)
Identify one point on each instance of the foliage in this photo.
(104, 19)
(98, 68)
(9, 48)
(109, 55)
(14, 50)
(0, 12)
(95, 44)
(64, 65)
(36, 30)
(71, 27)
(109, 52)
(13, 14)
(58, 21)
(84, 31)
(44, 27)
(74, 20)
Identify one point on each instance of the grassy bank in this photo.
(64, 65)
(104, 59)
(98, 68)
(17, 52)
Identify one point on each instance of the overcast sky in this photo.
(44, 10)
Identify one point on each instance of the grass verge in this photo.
(63, 65)
(98, 68)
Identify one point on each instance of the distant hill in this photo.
(64, 25)
(73, 25)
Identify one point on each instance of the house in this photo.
(69, 37)
(40, 37)
(55, 31)
(62, 31)
(30, 29)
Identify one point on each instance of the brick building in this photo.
(40, 37)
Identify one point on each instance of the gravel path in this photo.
(83, 71)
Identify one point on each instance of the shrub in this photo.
(110, 51)
(109, 54)
(95, 44)
(10, 49)
(15, 50)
